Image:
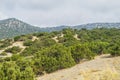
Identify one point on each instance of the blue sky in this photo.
(48, 13)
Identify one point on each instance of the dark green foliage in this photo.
(37, 46)
(44, 55)
(23, 38)
(68, 38)
(98, 47)
(13, 50)
(50, 64)
(15, 57)
(28, 43)
(55, 57)
(114, 49)
(38, 68)
(23, 63)
(5, 43)
(3, 54)
(17, 38)
(80, 52)
(30, 51)
(27, 74)
(11, 71)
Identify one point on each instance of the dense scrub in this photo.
(45, 55)
(5, 43)
(13, 50)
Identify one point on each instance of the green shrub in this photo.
(3, 54)
(5, 43)
(28, 43)
(13, 50)
(80, 52)
(55, 57)
(114, 50)
(17, 38)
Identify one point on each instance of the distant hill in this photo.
(98, 25)
(87, 26)
(12, 27)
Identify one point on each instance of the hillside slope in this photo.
(87, 26)
(57, 55)
(12, 27)
(102, 67)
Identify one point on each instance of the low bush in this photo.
(13, 50)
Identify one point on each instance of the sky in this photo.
(49, 13)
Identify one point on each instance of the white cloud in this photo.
(2, 16)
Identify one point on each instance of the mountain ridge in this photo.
(13, 27)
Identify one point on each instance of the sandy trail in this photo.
(62, 35)
(89, 70)
(55, 38)
(76, 36)
(18, 43)
(34, 38)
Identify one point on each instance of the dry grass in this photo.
(99, 75)
(101, 68)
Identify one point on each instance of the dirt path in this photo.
(76, 36)
(34, 38)
(55, 38)
(101, 67)
(62, 35)
(18, 43)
